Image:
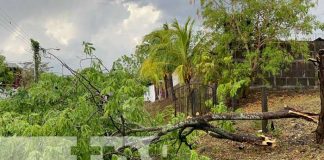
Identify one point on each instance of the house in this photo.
(16, 70)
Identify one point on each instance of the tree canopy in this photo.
(251, 39)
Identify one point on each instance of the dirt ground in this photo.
(294, 137)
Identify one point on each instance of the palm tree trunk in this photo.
(166, 86)
(156, 90)
(170, 79)
(189, 100)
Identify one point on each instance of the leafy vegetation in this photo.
(250, 39)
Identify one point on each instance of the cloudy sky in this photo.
(114, 26)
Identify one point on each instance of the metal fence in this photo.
(191, 99)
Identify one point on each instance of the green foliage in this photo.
(88, 48)
(63, 106)
(250, 39)
(194, 156)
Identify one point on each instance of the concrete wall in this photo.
(301, 73)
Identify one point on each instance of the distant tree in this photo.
(132, 63)
(27, 72)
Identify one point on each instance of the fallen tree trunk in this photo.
(285, 113)
(249, 138)
(202, 123)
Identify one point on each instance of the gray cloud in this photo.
(114, 26)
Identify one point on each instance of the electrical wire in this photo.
(9, 25)
(12, 22)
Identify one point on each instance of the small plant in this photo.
(194, 156)
(256, 124)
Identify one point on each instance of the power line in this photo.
(10, 28)
(25, 43)
(11, 21)
(8, 24)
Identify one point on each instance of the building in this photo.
(16, 70)
(300, 74)
(153, 93)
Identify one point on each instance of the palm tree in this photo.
(157, 66)
(171, 50)
(184, 50)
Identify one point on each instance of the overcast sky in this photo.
(114, 26)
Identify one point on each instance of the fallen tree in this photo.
(122, 126)
(186, 127)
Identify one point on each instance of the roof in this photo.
(319, 39)
(13, 65)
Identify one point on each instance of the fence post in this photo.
(214, 94)
(193, 102)
(233, 103)
(264, 108)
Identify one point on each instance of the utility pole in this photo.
(37, 59)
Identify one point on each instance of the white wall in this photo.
(149, 96)
(175, 78)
